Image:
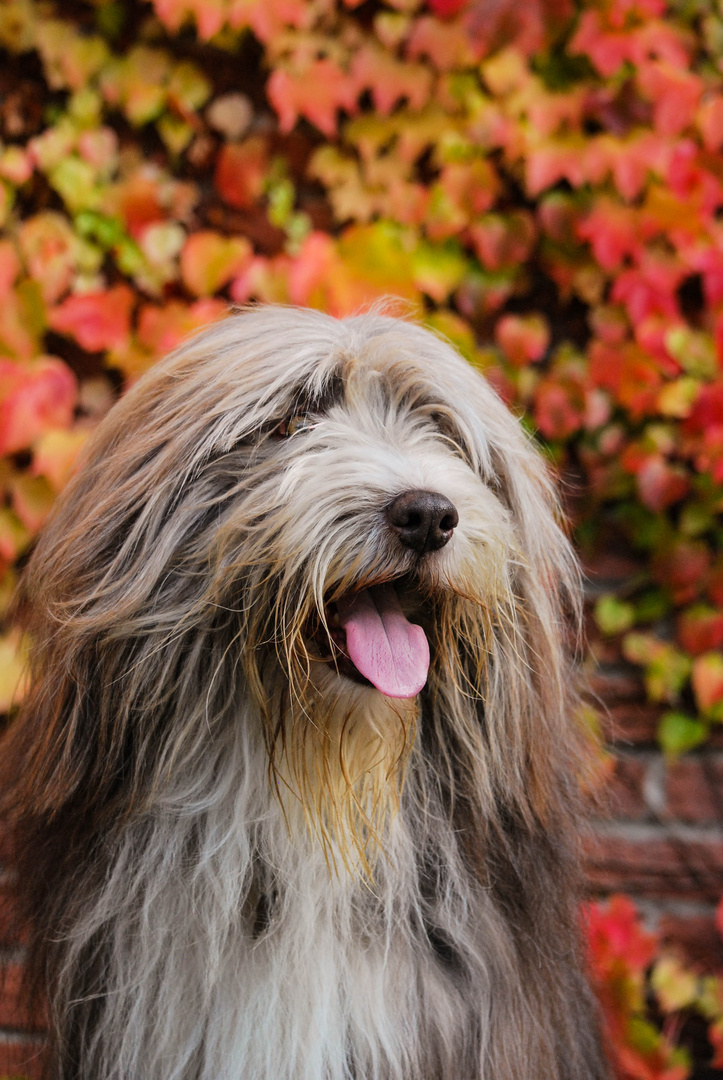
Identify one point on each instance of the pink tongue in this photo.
(384, 646)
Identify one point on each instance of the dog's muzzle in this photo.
(423, 520)
(374, 641)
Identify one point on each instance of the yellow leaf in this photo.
(13, 683)
(675, 987)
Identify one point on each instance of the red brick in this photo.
(695, 938)
(623, 796)
(12, 933)
(14, 1013)
(635, 722)
(5, 845)
(614, 684)
(611, 565)
(657, 866)
(24, 1058)
(694, 789)
(600, 649)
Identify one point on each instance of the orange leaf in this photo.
(708, 680)
(160, 329)
(447, 45)
(47, 244)
(241, 170)
(55, 455)
(390, 80)
(209, 261)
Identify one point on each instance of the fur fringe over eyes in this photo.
(242, 859)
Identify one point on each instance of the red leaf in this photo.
(241, 170)
(719, 917)
(616, 935)
(715, 1037)
(707, 411)
(492, 23)
(503, 241)
(710, 121)
(675, 94)
(447, 8)
(631, 376)
(9, 266)
(613, 230)
(553, 161)
(606, 49)
(33, 399)
(317, 93)
(524, 338)
(99, 320)
(650, 289)
(700, 629)
(559, 408)
(146, 198)
(715, 583)
(682, 568)
(661, 484)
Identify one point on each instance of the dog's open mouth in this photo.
(374, 641)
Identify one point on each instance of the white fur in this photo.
(383, 953)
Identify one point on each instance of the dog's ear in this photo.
(111, 595)
(537, 684)
(529, 697)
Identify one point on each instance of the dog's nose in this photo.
(423, 520)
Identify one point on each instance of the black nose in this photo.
(423, 520)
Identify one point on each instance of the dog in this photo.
(294, 789)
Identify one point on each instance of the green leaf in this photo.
(614, 616)
(678, 733)
(651, 605)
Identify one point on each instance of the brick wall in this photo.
(21, 1039)
(657, 836)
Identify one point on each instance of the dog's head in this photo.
(337, 520)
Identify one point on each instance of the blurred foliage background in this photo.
(542, 182)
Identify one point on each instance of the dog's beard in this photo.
(338, 747)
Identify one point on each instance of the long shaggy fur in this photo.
(241, 864)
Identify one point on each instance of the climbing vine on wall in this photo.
(542, 183)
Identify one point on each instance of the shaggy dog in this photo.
(294, 786)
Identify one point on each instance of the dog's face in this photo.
(336, 520)
(365, 533)
(363, 509)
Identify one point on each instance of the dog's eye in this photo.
(293, 425)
